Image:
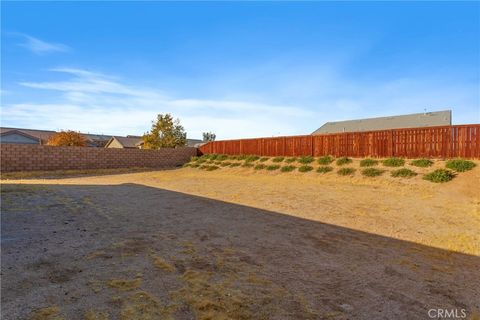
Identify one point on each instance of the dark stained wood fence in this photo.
(433, 142)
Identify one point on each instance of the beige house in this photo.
(129, 142)
(137, 142)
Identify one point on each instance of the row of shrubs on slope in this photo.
(212, 162)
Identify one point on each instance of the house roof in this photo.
(44, 135)
(189, 143)
(415, 120)
(126, 142)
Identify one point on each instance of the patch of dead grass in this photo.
(96, 315)
(124, 284)
(48, 313)
(143, 305)
(161, 263)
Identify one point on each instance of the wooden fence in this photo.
(433, 142)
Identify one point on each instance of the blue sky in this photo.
(238, 69)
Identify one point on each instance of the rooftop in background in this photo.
(34, 136)
(415, 120)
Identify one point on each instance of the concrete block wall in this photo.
(23, 157)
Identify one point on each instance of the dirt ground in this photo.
(239, 244)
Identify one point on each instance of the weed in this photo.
(252, 158)
(324, 169)
(260, 166)
(273, 167)
(403, 173)
(233, 157)
(241, 157)
(194, 158)
(211, 168)
(212, 156)
(346, 171)
(291, 159)
(186, 165)
(343, 160)
(393, 162)
(306, 160)
(278, 159)
(372, 172)
(368, 163)
(235, 164)
(288, 168)
(460, 165)
(201, 160)
(439, 176)
(263, 159)
(423, 163)
(325, 160)
(194, 165)
(305, 168)
(247, 165)
(225, 163)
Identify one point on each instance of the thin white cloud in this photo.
(41, 47)
(95, 102)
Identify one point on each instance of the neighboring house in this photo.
(129, 142)
(32, 136)
(190, 143)
(416, 120)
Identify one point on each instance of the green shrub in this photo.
(215, 162)
(460, 165)
(247, 165)
(241, 157)
(423, 163)
(343, 160)
(325, 160)
(222, 157)
(291, 159)
(264, 159)
(368, 163)
(288, 168)
(232, 157)
(194, 165)
(393, 162)
(403, 173)
(260, 166)
(212, 156)
(201, 160)
(305, 160)
(225, 163)
(252, 158)
(439, 176)
(194, 158)
(187, 165)
(372, 172)
(273, 167)
(324, 169)
(305, 168)
(278, 159)
(235, 164)
(346, 171)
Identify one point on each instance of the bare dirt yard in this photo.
(239, 244)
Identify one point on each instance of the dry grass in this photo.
(48, 313)
(67, 173)
(125, 285)
(143, 305)
(96, 315)
(161, 263)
